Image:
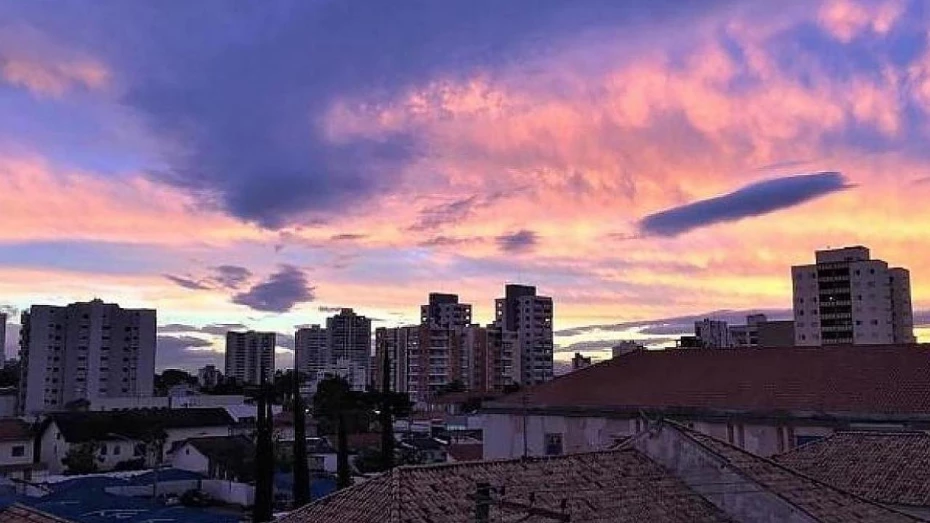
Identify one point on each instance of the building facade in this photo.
(445, 312)
(530, 317)
(712, 334)
(85, 351)
(348, 337)
(3, 320)
(248, 354)
(310, 349)
(209, 376)
(759, 331)
(847, 298)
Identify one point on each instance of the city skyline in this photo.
(645, 166)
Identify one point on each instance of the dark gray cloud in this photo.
(279, 293)
(347, 237)
(185, 352)
(922, 318)
(330, 309)
(446, 241)
(239, 101)
(284, 341)
(676, 324)
(436, 216)
(753, 200)
(220, 329)
(519, 241)
(177, 327)
(188, 283)
(230, 276)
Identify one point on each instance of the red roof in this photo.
(465, 451)
(13, 429)
(876, 380)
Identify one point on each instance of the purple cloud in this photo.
(753, 200)
(279, 293)
(520, 241)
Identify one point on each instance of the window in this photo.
(116, 450)
(553, 444)
(103, 449)
(18, 451)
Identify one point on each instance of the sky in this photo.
(645, 163)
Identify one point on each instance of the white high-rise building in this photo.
(247, 354)
(85, 351)
(530, 316)
(310, 349)
(848, 298)
(712, 334)
(348, 337)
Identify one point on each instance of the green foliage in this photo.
(10, 373)
(81, 458)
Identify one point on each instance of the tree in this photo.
(301, 472)
(171, 377)
(81, 458)
(10, 374)
(392, 405)
(264, 457)
(338, 406)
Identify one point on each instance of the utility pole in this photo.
(524, 401)
(483, 503)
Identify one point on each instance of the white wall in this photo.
(189, 458)
(6, 452)
(229, 491)
(195, 432)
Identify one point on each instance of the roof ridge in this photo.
(464, 464)
(690, 433)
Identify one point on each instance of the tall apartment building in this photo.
(530, 316)
(848, 298)
(310, 349)
(445, 312)
(248, 354)
(712, 334)
(209, 376)
(491, 353)
(397, 342)
(85, 351)
(348, 337)
(3, 319)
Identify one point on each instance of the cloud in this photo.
(177, 327)
(214, 329)
(187, 352)
(753, 200)
(446, 241)
(436, 216)
(520, 241)
(347, 237)
(279, 293)
(188, 283)
(676, 324)
(330, 309)
(231, 276)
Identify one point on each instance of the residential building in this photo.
(3, 320)
(248, 355)
(886, 467)
(349, 370)
(17, 446)
(530, 316)
(847, 298)
(712, 334)
(85, 351)
(209, 377)
(310, 349)
(668, 474)
(765, 402)
(445, 312)
(491, 354)
(396, 342)
(348, 337)
(230, 458)
(759, 331)
(625, 347)
(118, 436)
(579, 361)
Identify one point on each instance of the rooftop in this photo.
(17, 513)
(885, 467)
(13, 429)
(868, 381)
(77, 427)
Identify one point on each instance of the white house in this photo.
(219, 457)
(119, 436)
(16, 450)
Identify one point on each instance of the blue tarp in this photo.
(319, 486)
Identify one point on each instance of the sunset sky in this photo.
(260, 163)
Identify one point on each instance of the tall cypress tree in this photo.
(386, 418)
(264, 458)
(301, 474)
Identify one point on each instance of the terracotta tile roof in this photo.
(17, 513)
(885, 467)
(465, 451)
(885, 380)
(823, 502)
(610, 486)
(14, 429)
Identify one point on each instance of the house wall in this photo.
(189, 458)
(6, 452)
(706, 473)
(229, 491)
(503, 434)
(174, 435)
